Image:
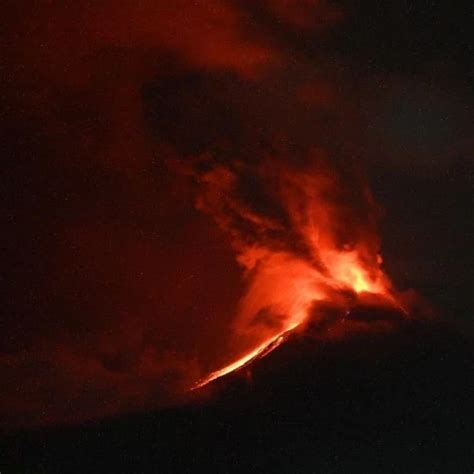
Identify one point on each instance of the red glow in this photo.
(262, 350)
(314, 255)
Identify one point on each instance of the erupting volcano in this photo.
(234, 236)
(308, 241)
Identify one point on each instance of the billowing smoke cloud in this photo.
(305, 237)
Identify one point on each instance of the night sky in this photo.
(117, 290)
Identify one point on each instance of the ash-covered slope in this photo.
(375, 402)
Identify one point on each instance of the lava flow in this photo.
(261, 351)
(308, 238)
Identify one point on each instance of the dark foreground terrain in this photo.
(398, 402)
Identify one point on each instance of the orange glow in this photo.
(262, 350)
(317, 254)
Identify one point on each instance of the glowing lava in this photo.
(265, 348)
(292, 289)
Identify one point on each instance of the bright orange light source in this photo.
(294, 262)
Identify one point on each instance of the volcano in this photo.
(381, 401)
(235, 237)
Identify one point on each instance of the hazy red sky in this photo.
(118, 291)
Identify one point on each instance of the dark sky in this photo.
(113, 282)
